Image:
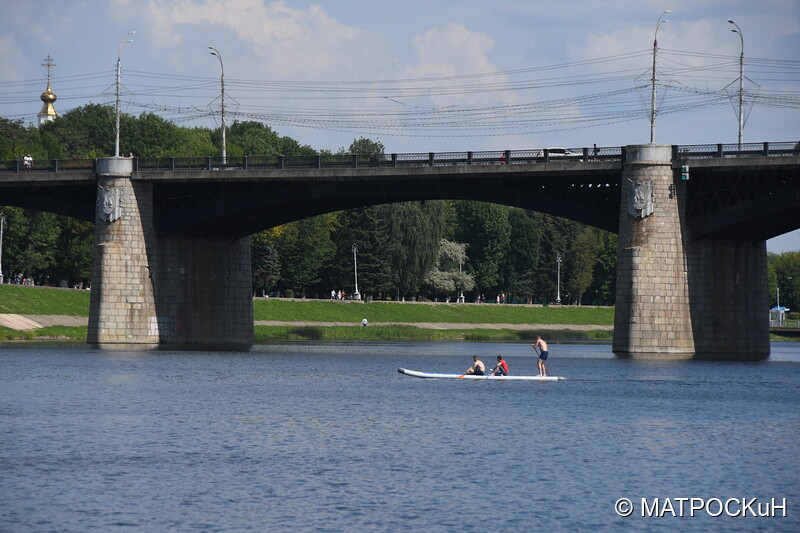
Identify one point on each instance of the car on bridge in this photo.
(558, 152)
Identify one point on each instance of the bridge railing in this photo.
(429, 159)
(47, 165)
(720, 151)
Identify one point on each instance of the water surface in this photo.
(329, 437)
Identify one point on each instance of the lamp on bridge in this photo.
(741, 82)
(122, 43)
(653, 91)
(215, 52)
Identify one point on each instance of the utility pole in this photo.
(122, 43)
(653, 79)
(215, 52)
(741, 83)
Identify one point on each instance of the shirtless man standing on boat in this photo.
(543, 353)
(477, 368)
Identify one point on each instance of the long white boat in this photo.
(429, 375)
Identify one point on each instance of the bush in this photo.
(288, 293)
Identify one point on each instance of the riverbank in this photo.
(62, 327)
(51, 313)
(46, 313)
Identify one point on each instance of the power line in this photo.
(409, 106)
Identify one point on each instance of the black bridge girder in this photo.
(74, 199)
(236, 209)
(736, 199)
(739, 204)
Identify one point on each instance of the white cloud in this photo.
(11, 58)
(452, 50)
(291, 43)
(455, 51)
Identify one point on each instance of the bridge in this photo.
(171, 262)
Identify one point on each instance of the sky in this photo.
(421, 75)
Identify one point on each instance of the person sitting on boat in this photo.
(501, 368)
(477, 368)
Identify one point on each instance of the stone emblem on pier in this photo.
(108, 205)
(641, 198)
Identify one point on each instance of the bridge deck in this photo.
(750, 193)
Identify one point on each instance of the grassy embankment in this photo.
(44, 301)
(48, 301)
(393, 312)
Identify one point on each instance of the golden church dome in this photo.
(48, 96)
(48, 112)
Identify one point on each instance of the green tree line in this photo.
(433, 249)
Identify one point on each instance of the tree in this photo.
(253, 139)
(265, 262)
(557, 236)
(86, 132)
(30, 243)
(13, 139)
(448, 277)
(602, 290)
(486, 229)
(368, 229)
(582, 257)
(787, 279)
(415, 232)
(73, 256)
(366, 149)
(288, 146)
(147, 136)
(522, 255)
(191, 142)
(304, 247)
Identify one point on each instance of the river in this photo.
(329, 437)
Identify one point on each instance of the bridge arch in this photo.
(220, 207)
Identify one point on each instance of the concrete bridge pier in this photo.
(730, 297)
(675, 296)
(150, 290)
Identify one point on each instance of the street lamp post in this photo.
(653, 90)
(356, 295)
(460, 291)
(2, 224)
(741, 83)
(781, 313)
(215, 52)
(122, 43)
(558, 282)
